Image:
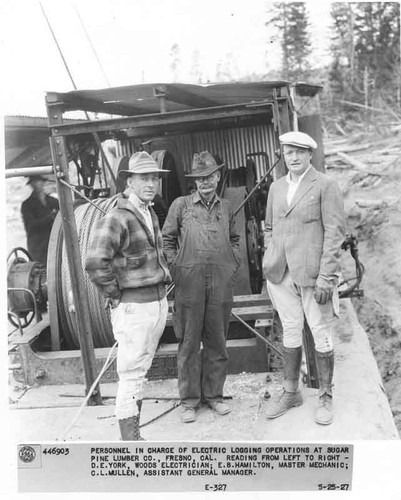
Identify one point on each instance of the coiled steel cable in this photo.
(86, 216)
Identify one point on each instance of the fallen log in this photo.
(348, 149)
(357, 105)
(340, 129)
(369, 203)
(358, 165)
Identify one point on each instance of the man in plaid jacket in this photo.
(126, 263)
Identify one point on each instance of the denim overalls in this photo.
(204, 272)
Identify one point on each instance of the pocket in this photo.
(132, 307)
(135, 262)
(113, 313)
(117, 320)
(207, 239)
(268, 256)
(188, 216)
(310, 210)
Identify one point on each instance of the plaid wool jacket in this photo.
(123, 253)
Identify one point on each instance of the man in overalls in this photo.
(201, 247)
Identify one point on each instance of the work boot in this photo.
(291, 396)
(188, 414)
(325, 367)
(219, 407)
(129, 427)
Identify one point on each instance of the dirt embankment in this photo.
(370, 178)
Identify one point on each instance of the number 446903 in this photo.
(56, 451)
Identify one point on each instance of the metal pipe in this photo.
(82, 195)
(257, 333)
(256, 187)
(26, 172)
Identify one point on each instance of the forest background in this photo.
(360, 72)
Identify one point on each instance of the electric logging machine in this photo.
(239, 123)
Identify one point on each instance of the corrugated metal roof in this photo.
(145, 98)
(27, 141)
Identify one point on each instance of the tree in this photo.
(377, 43)
(291, 20)
(226, 68)
(175, 61)
(342, 72)
(366, 51)
(196, 72)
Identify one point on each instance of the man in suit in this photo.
(304, 230)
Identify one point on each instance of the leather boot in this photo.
(325, 367)
(139, 405)
(291, 397)
(129, 427)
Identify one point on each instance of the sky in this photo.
(133, 40)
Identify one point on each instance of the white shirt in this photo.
(293, 185)
(143, 208)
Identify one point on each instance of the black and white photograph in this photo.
(201, 246)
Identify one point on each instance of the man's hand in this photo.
(323, 291)
(112, 303)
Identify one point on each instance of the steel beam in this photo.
(162, 119)
(59, 154)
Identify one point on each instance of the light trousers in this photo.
(293, 302)
(137, 328)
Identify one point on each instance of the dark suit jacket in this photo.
(306, 236)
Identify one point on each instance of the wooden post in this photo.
(60, 162)
(281, 169)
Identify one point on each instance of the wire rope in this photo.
(86, 215)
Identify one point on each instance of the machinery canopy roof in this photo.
(142, 99)
(27, 138)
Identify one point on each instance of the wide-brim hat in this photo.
(141, 163)
(34, 178)
(203, 164)
(298, 139)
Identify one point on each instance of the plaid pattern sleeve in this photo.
(104, 246)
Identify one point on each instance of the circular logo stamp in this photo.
(27, 454)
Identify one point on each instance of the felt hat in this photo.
(298, 139)
(34, 178)
(203, 164)
(141, 163)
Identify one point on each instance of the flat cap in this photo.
(298, 139)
